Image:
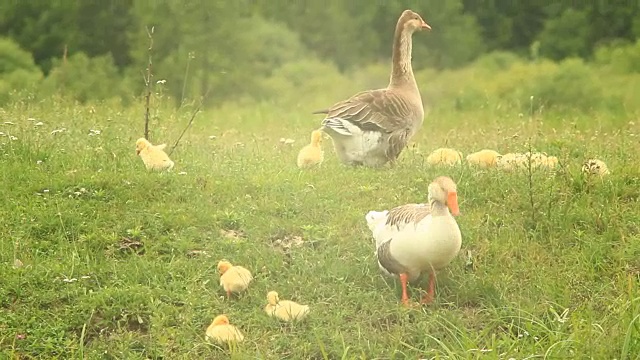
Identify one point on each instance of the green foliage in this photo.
(14, 58)
(46, 27)
(227, 49)
(110, 21)
(569, 85)
(193, 57)
(269, 45)
(85, 79)
(636, 26)
(40, 27)
(496, 61)
(505, 82)
(307, 76)
(566, 35)
(455, 39)
(333, 30)
(622, 58)
(270, 48)
(17, 70)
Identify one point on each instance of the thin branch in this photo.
(186, 76)
(63, 72)
(193, 116)
(148, 84)
(531, 183)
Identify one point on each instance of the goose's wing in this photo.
(401, 216)
(386, 262)
(374, 110)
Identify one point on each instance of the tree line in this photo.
(225, 42)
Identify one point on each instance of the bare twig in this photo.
(193, 116)
(531, 183)
(186, 77)
(148, 84)
(63, 69)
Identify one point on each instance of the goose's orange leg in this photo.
(428, 297)
(404, 279)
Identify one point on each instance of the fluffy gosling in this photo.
(484, 158)
(444, 156)
(221, 332)
(153, 156)
(233, 279)
(312, 154)
(284, 310)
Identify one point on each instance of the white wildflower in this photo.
(182, 173)
(161, 82)
(11, 137)
(38, 162)
(94, 132)
(8, 123)
(39, 123)
(57, 131)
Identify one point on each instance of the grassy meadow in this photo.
(101, 259)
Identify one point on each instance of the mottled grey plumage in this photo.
(409, 213)
(387, 262)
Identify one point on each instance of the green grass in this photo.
(539, 244)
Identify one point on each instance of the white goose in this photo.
(372, 127)
(416, 238)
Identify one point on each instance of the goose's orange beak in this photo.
(424, 25)
(452, 202)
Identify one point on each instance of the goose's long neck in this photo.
(401, 70)
(438, 208)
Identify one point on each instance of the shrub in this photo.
(566, 35)
(570, 84)
(229, 61)
(85, 79)
(501, 81)
(307, 80)
(18, 72)
(621, 57)
(496, 61)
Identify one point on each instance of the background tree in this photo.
(565, 35)
(17, 69)
(232, 47)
